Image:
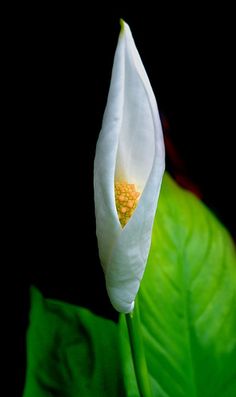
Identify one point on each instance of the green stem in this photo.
(137, 349)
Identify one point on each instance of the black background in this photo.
(62, 68)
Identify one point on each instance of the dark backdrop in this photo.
(63, 64)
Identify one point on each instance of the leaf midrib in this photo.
(187, 315)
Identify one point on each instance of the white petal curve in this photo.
(130, 147)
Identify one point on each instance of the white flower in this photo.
(130, 157)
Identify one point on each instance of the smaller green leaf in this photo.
(70, 351)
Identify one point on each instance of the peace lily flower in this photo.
(128, 170)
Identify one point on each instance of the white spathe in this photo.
(130, 148)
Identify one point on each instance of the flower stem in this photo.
(137, 350)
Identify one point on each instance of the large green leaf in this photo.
(71, 352)
(187, 302)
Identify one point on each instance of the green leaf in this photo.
(71, 352)
(187, 302)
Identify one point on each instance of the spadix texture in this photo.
(129, 152)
